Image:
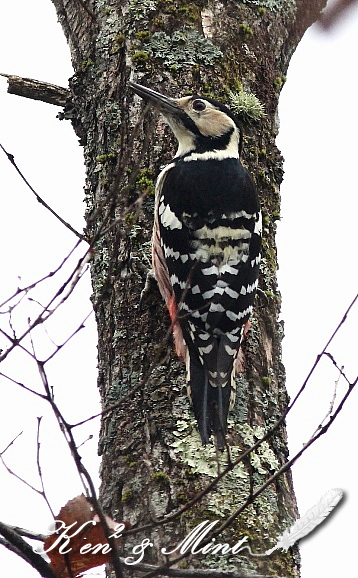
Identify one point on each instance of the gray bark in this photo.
(152, 458)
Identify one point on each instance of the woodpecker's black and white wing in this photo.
(209, 223)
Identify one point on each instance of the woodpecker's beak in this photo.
(164, 104)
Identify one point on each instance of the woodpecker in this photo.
(206, 249)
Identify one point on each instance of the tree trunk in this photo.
(153, 462)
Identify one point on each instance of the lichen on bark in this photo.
(152, 461)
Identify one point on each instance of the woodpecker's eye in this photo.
(199, 105)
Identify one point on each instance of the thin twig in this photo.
(255, 494)
(11, 472)
(334, 396)
(12, 442)
(39, 470)
(44, 278)
(69, 284)
(83, 473)
(22, 385)
(246, 453)
(79, 328)
(39, 199)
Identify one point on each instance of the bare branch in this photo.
(269, 433)
(48, 276)
(13, 549)
(28, 533)
(47, 312)
(79, 328)
(10, 444)
(11, 472)
(253, 495)
(22, 385)
(24, 550)
(39, 199)
(83, 473)
(39, 470)
(37, 90)
(333, 14)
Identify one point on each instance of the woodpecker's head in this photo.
(201, 125)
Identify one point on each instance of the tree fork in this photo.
(152, 458)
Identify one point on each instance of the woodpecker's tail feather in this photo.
(211, 401)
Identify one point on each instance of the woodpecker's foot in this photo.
(150, 284)
(260, 293)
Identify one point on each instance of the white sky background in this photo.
(317, 257)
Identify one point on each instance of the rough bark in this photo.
(152, 458)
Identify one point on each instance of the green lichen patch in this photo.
(117, 44)
(140, 57)
(160, 477)
(141, 10)
(143, 35)
(127, 495)
(246, 30)
(105, 158)
(247, 106)
(85, 64)
(184, 48)
(280, 81)
(145, 181)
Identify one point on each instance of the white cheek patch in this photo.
(213, 122)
